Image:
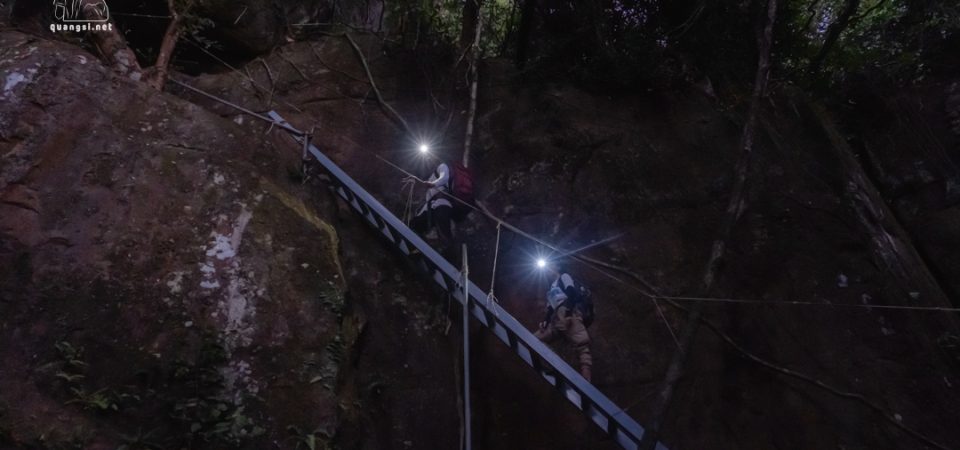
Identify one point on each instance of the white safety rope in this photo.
(492, 299)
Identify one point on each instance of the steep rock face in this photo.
(909, 141)
(405, 371)
(159, 277)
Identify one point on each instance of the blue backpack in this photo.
(584, 303)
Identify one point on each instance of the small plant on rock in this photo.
(211, 417)
(313, 440)
(101, 400)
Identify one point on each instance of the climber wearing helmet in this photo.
(565, 315)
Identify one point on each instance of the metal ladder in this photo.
(568, 382)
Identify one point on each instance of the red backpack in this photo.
(461, 183)
(461, 186)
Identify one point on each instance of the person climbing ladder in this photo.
(565, 315)
(436, 212)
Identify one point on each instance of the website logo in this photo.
(81, 15)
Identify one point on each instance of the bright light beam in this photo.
(541, 263)
(424, 148)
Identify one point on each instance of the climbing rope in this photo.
(467, 439)
(290, 129)
(407, 185)
(647, 292)
(492, 299)
(304, 159)
(807, 303)
(241, 74)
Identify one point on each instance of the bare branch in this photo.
(815, 382)
(295, 67)
(158, 76)
(474, 60)
(376, 90)
(735, 207)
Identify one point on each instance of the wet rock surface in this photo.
(158, 278)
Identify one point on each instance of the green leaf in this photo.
(68, 377)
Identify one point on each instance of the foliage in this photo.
(324, 368)
(71, 356)
(610, 44)
(332, 299)
(144, 32)
(210, 417)
(501, 18)
(99, 400)
(141, 440)
(439, 22)
(78, 438)
(622, 44)
(329, 364)
(193, 25)
(950, 346)
(444, 18)
(194, 28)
(193, 399)
(72, 367)
(902, 39)
(313, 440)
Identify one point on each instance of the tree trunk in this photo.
(891, 244)
(158, 75)
(373, 85)
(595, 21)
(833, 33)
(511, 30)
(113, 47)
(523, 31)
(735, 208)
(469, 22)
(472, 113)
